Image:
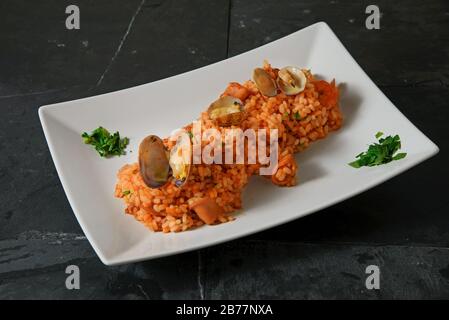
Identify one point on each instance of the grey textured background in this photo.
(402, 225)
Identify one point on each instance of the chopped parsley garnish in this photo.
(380, 152)
(297, 116)
(105, 143)
(126, 192)
(379, 134)
(190, 135)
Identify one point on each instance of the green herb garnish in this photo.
(400, 156)
(379, 134)
(126, 192)
(105, 143)
(380, 152)
(285, 116)
(190, 135)
(297, 116)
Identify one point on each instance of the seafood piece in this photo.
(236, 90)
(227, 111)
(153, 162)
(291, 80)
(327, 93)
(207, 209)
(264, 82)
(180, 160)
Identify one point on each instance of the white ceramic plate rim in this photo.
(433, 149)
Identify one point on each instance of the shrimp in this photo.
(236, 90)
(285, 171)
(327, 93)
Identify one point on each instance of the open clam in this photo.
(264, 82)
(180, 160)
(291, 80)
(227, 111)
(154, 162)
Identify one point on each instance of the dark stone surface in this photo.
(168, 39)
(402, 225)
(33, 266)
(409, 48)
(39, 53)
(271, 270)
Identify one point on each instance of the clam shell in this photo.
(227, 111)
(291, 80)
(153, 162)
(180, 160)
(264, 82)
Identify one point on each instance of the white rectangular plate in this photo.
(159, 107)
